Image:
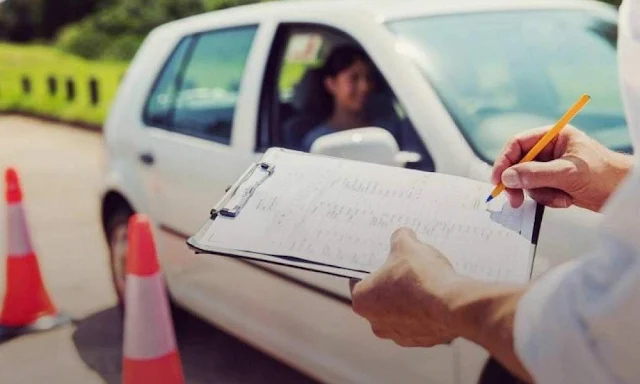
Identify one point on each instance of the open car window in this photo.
(294, 100)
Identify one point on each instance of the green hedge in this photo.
(27, 71)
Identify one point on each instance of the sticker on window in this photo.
(304, 48)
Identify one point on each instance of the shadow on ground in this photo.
(208, 354)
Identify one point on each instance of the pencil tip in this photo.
(489, 199)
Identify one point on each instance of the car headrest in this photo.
(309, 95)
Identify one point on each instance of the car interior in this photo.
(292, 106)
(308, 105)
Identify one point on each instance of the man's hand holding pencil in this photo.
(573, 169)
(417, 299)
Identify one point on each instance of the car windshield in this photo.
(499, 73)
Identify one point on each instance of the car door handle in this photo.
(147, 158)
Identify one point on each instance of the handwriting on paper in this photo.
(343, 214)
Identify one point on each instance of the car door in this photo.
(196, 144)
(291, 102)
(302, 318)
(297, 49)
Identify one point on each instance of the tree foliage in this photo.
(27, 20)
(115, 32)
(96, 28)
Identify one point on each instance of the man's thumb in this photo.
(534, 174)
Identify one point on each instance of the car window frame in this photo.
(269, 136)
(178, 80)
(269, 100)
(156, 82)
(266, 134)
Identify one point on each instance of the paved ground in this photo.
(60, 169)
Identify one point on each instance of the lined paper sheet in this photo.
(342, 213)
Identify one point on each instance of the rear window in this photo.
(197, 92)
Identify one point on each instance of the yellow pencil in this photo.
(546, 139)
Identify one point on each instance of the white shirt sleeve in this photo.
(581, 322)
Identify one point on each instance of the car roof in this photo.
(400, 9)
(386, 10)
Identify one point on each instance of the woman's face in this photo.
(351, 86)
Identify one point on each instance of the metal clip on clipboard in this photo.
(248, 192)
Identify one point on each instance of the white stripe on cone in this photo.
(148, 329)
(19, 244)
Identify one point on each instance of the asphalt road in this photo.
(60, 168)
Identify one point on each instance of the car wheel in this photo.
(116, 231)
(494, 372)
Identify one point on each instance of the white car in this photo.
(205, 96)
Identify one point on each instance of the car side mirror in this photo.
(371, 144)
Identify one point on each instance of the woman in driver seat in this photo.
(347, 78)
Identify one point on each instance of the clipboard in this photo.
(264, 168)
(224, 209)
(236, 198)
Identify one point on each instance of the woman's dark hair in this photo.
(342, 58)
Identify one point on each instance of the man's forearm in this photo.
(484, 313)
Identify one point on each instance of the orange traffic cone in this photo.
(150, 352)
(27, 306)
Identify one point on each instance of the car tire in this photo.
(116, 233)
(494, 372)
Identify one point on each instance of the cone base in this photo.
(26, 299)
(166, 369)
(44, 323)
